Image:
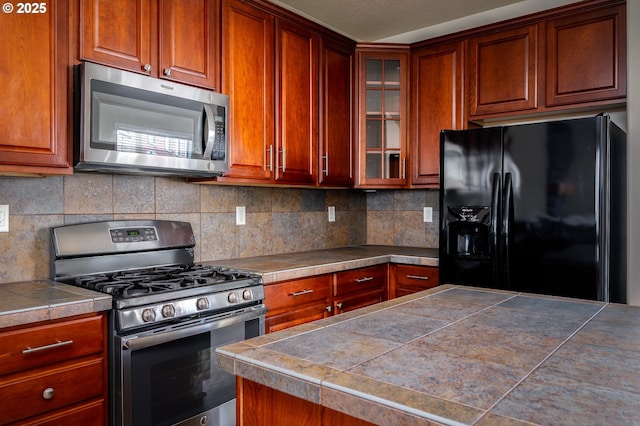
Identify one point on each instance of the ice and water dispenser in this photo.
(468, 230)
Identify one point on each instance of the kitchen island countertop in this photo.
(459, 356)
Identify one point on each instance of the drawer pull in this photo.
(418, 277)
(45, 347)
(300, 293)
(363, 280)
(47, 393)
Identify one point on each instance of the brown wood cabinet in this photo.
(586, 57)
(297, 301)
(383, 77)
(437, 103)
(572, 58)
(408, 279)
(503, 71)
(296, 103)
(259, 405)
(55, 372)
(336, 113)
(171, 39)
(248, 78)
(35, 106)
(358, 288)
(271, 75)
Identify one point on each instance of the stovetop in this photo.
(162, 279)
(148, 268)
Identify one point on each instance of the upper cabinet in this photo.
(296, 147)
(272, 67)
(437, 102)
(248, 78)
(382, 118)
(271, 76)
(503, 71)
(586, 57)
(171, 39)
(570, 58)
(35, 54)
(336, 113)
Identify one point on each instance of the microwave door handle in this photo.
(209, 133)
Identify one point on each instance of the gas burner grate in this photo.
(132, 283)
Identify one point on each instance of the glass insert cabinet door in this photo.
(382, 127)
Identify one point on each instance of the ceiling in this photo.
(406, 21)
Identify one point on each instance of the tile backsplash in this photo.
(278, 220)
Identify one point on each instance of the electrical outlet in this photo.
(4, 218)
(241, 215)
(428, 214)
(332, 213)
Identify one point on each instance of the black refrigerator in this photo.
(538, 208)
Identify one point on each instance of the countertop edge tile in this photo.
(76, 301)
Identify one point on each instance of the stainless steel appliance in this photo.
(169, 315)
(536, 207)
(132, 123)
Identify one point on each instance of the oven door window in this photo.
(179, 379)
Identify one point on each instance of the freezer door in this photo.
(553, 240)
(470, 179)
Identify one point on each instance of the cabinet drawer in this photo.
(417, 276)
(294, 293)
(90, 413)
(360, 280)
(67, 383)
(49, 343)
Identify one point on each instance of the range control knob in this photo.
(232, 298)
(148, 315)
(246, 295)
(202, 303)
(168, 311)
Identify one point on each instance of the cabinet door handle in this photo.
(30, 350)
(283, 166)
(339, 305)
(147, 67)
(363, 280)
(326, 164)
(329, 308)
(418, 277)
(270, 149)
(300, 293)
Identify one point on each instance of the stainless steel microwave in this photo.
(132, 123)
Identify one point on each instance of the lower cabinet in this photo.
(55, 372)
(260, 405)
(408, 279)
(297, 301)
(358, 288)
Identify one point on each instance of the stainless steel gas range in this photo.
(169, 314)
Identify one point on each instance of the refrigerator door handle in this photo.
(507, 216)
(495, 214)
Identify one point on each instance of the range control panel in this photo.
(128, 235)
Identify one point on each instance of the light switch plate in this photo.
(332, 213)
(4, 218)
(241, 215)
(428, 214)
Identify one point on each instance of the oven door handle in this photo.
(178, 331)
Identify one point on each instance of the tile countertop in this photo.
(287, 266)
(459, 356)
(27, 302)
